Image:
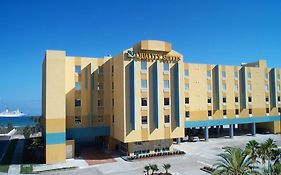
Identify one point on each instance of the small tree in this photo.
(10, 127)
(154, 168)
(166, 167)
(27, 131)
(147, 168)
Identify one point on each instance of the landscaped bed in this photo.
(156, 154)
(4, 166)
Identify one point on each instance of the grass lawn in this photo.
(26, 169)
(4, 167)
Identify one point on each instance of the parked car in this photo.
(184, 139)
(194, 139)
(263, 131)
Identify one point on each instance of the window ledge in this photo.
(144, 108)
(166, 90)
(166, 125)
(143, 89)
(224, 116)
(143, 71)
(167, 107)
(166, 72)
(250, 115)
(210, 117)
(144, 126)
(237, 116)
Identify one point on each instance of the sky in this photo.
(204, 31)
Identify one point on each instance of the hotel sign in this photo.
(153, 56)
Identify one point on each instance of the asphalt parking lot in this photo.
(198, 154)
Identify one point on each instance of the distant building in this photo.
(144, 97)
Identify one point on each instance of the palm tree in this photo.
(234, 161)
(252, 149)
(147, 168)
(166, 167)
(277, 163)
(154, 168)
(266, 152)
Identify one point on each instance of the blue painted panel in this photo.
(55, 138)
(272, 88)
(243, 99)
(202, 123)
(132, 96)
(177, 94)
(217, 87)
(76, 133)
(91, 100)
(155, 93)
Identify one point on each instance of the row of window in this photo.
(144, 120)
(167, 101)
(210, 112)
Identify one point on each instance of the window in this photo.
(112, 68)
(186, 87)
(278, 98)
(249, 87)
(223, 87)
(100, 118)
(209, 74)
(279, 110)
(77, 120)
(166, 101)
(78, 69)
(266, 76)
(235, 75)
(112, 84)
(166, 119)
(236, 111)
(166, 84)
(143, 65)
(224, 99)
(236, 100)
(144, 101)
(186, 100)
(236, 87)
(209, 88)
(166, 67)
(224, 112)
(186, 73)
(112, 118)
(249, 75)
(266, 99)
(250, 111)
(77, 102)
(78, 85)
(100, 70)
(223, 74)
(250, 99)
(100, 86)
(144, 84)
(209, 100)
(144, 120)
(266, 88)
(100, 102)
(187, 114)
(209, 113)
(112, 102)
(267, 110)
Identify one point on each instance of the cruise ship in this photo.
(8, 113)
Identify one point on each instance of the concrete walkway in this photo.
(15, 166)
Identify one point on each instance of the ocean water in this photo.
(17, 121)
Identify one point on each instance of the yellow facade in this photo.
(146, 96)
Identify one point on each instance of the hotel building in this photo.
(146, 96)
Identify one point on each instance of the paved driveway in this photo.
(198, 155)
